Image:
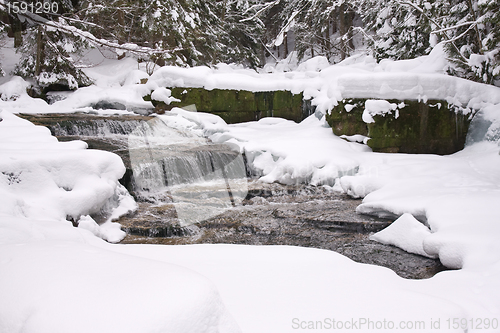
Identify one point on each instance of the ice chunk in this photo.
(485, 126)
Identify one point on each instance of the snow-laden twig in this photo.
(454, 27)
(265, 7)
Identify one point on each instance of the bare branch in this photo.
(454, 27)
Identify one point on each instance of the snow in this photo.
(407, 233)
(43, 178)
(277, 153)
(163, 94)
(446, 192)
(423, 78)
(58, 278)
(69, 286)
(377, 107)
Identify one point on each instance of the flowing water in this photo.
(191, 191)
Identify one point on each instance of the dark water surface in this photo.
(274, 214)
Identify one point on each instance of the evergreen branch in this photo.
(134, 48)
(257, 14)
(454, 27)
(448, 38)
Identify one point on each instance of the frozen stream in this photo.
(262, 214)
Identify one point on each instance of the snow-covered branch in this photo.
(279, 39)
(433, 21)
(66, 28)
(265, 7)
(454, 27)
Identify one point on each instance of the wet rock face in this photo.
(274, 214)
(432, 127)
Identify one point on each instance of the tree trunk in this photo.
(285, 43)
(16, 31)
(342, 31)
(350, 16)
(328, 45)
(39, 51)
(476, 30)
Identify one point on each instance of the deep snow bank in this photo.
(57, 279)
(41, 178)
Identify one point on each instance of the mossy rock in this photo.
(432, 127)
(236, 106)
(347, 121)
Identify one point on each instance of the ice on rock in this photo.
(485, 126)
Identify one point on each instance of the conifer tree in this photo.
(45, 53)
(401, 29)
(46, 58)
(473, 27)
(240, 42)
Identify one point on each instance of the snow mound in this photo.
(62, 286)
(378, 107)
(42, 178)
(164, 95)
(13, 89)
(406, 233)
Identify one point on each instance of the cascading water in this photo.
(95, 127)
(165, 164)
(202, 179)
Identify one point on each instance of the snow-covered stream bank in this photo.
(270, 214)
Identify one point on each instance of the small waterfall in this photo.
(164, 164)
(95, 127)
(201, 179)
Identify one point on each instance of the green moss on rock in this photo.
(345, 118)
(432, 127)
(238, 105)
